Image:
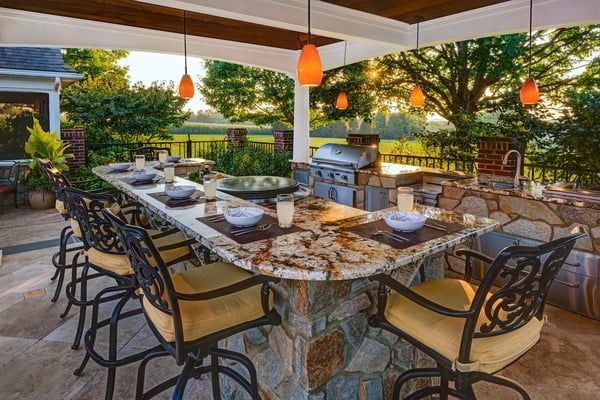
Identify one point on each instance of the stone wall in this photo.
(75, 138)
(533, 219)
(325, 349)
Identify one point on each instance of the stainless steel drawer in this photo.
(575, 292)
(340, 194)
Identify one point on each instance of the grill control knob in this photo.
(344, 177)
(319, 173)
(331, 175)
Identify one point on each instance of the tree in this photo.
(242, 93)
(97, 63)
(110, 110)
(464, 79)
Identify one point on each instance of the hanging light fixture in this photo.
(341, 103)
(186, 86)
(310, 70)
(417, 97)
(530, 93)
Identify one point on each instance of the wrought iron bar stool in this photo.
(105, 256)
(191, 311)
(473, 332)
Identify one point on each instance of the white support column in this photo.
(301, 123)
(54, 107)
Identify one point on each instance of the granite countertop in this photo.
(324, 251)
(184, 162)
(472, 184)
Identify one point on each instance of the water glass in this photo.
(162, 156)
(140, 161)
(210, 186)
(405, 199)
(169, 173)
(285, 210)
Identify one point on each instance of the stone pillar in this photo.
(490, 152)
(284, 139)
(324, 348)
(236, 135)
(301, 143)
(75, 138)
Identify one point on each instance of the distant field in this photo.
(385, 146)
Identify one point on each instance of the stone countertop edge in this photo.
(324, 251)
(471, 184)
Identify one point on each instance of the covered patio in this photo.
(307, 307)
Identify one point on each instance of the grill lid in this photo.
(345, 155)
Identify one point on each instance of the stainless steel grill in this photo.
(339, 162)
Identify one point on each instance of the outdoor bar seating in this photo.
(10, 173)
(473, 332)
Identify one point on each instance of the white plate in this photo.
(173, 158)
(404, 221)
(120, 166)
(180, 192)
(242, 217)
(143, 175)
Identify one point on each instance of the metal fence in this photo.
(210, 149)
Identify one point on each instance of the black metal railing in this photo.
(468, 166)
(551, 174)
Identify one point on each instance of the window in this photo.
(16, 114)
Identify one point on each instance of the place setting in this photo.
(246, 224)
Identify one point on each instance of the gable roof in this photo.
(34, 59)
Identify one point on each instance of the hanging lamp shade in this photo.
(310, 70)
(186, 87)
(529, 93)
(342, 101)
(417, 97)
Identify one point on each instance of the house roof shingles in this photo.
(33, 59)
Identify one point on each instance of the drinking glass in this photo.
(210, 186)
(140, 161)
(285, 210)
(169, 172)
(162, 156)
(405, 199)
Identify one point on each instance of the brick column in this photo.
(490, 152)
(236, 135)
(284, 139)
(76, 139)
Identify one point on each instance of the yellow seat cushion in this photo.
(75, 228)
(119, 263)
(202, 318)
(443, 334)
(60, 206)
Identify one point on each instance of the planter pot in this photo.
(41, 199)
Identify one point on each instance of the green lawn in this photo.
(386, 146)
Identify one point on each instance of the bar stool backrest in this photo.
(56, 179)
(526, 274)
(86, 208)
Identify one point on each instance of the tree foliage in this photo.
(97, 63)
(241, 93)
(111, 110)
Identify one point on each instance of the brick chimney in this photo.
(490, 152)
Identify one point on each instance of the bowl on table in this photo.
(242, 217)
(404, 221)
(143, 175)
(173, 159)
(180, 192)
(120, 167)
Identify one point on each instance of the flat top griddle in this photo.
(257, 187)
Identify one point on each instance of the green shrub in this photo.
(245, 160)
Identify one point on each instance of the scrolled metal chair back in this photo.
(526, 275)
(57, 180)
(86, 208)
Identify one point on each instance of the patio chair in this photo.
(191, 312)
(10, 172)
(105, 257)
(150, 152)
(473, 332)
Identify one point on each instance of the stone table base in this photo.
(324, 348)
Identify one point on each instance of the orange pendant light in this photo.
(342, 101)
(186, 85)
(417, 97)
(529, 93)
(310, 69)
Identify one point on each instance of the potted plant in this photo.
(42, 144)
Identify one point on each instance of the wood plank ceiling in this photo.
(409, 10)
(144, 15)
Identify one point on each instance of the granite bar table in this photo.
(185, 165)
(324, 348)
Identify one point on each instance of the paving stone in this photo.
(11, 347)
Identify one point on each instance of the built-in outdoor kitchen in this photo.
(353, 174)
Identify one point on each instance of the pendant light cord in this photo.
(345, 49)
(308, 21)
(417, 70)
(530, 34)
(185, 41)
